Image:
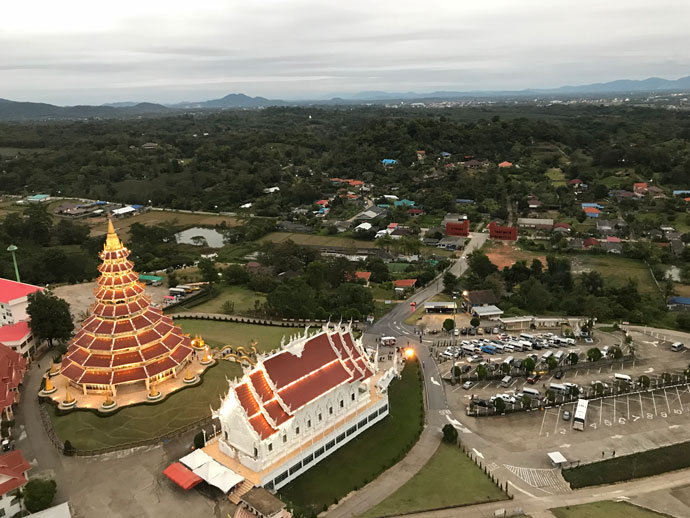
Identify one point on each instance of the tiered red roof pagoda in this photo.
(285, 382)
(125, 340)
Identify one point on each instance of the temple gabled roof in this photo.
(304, 371)
(124, 339)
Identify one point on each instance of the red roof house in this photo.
(613, 239)
(13, 468)
(415, 211)
(13, 290)
(405, 283)
(12, 369)
(505, 164)
(640, 188)
(590, 242)
(561, 225)
(363, 275)
(322, 203)
(574, 181)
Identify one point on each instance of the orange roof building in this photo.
(125, 340)
(505, 164)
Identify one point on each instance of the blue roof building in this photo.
(404, 203)
(464, 201)
(679, 301)
(595, 205)
(445, 154)
(680, 193)
(389, 161)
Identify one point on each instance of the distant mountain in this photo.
(232, 101)
(15, 110)
(652, 84)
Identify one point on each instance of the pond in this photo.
(200, 236)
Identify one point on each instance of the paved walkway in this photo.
(391, 480)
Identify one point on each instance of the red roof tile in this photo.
(261, 386)
(13, 467)
(127, 375)
(404, 283)
(284, 367)
(307, 389)
(261, 426)
(12, 290)
(247, 399)
(276, 412)
(14, 332)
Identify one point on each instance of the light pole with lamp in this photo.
(13, 249)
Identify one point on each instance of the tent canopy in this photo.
(182, 476)
(210, 470)
(557, 458)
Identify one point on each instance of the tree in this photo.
(552, 363)
(481, 265)
(50, 317)
(39, 494)
(482, 372)
(529, 364)
(207, 268)
(616, 352)
(526, 401)
(594, 354)
(450, 434)
(506, 368)
(644, 381)
(683, 320)
(68, 449)
(598, 388)
(448, 324)
(228, 307)
(499, 405)
(573, 358)
(450, 282)
(474, 322)
(551, 395)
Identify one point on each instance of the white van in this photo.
(570, 341)
(468, 349)
(678, 346)
(509, 360)
(505, 382)
(528, 391)
(525, 336)
(558, 387)
(546, 356)
(559, 356)
(622, 377)
(517, 346)
(526, 345)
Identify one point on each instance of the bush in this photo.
(450, 434)
(39, 494)
(68, 449)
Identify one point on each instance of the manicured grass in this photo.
(628, 467)
(555, 174)
(242, 297)
(368, 455)
(449, 479)
(219, 334)
(88, 431)
(605, 509)
(380, 293)
(617, 270)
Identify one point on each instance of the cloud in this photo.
(77, 51)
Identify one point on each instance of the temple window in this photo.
(308, 423)
(297, 430)
(256, 452)
(330, 410)
(320, 416)
(352, 396)
(270, 447)
(284, 438)
(342, 403)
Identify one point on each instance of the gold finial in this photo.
(112, 242)
(108, 401)
(49, 385)
(189, 376)
(68, 397)
(153, 392)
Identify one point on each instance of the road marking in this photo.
(444, 412)
(654, 401)
(458, 425)
(667, 404)
(616, 437)
(543, 419)
(521, 490)
(478, 453)
(674, 426)
(558, 418)
(649, 371)
(540, 478)
(431, 378)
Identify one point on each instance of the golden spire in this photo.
(112, 242)
(49, 385)
(68, 397)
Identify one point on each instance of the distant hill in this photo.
(17, 111)
(232, 101)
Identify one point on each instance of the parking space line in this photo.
(679, 400)
(558, 418)
(628, 401)
(654, 401)
(614, 408)
(601, 410)
(641, 406)
(667, 404)
(543, 419)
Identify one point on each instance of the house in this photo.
(399, 232)
(575, 182)
(421, 155)
(414, 212)
(271, 190)
(613, 239)
(576, 244)
(622, 195)
(533, 202)
(505, 164)
(612, 247)
(592, 212)
(15, 332)
(535, 223)
(371, 213)
(681, 193)
(365, 276)
(451, 243)
(502, 233)
(363, 227)
(456, 225)
(258, 502)
(291, 226)
(656, 193)
(489, 312)
(677, 247)
(608, 227)
(322, 203)
(595, 205)
(13, 470)
(389, 162)
(640, 188)
(149, 145)
(404, 203)
(474, 164)
(589, 243)
(479, 298)
(678, 303)
(562, 228)
(464, 201)
(445, 155)
(404, 284)
(430, 241)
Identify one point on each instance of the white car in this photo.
(474, 358)
(468, 385)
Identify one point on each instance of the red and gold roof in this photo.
(125, 339)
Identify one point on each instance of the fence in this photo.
(285, 322)
(48, 424)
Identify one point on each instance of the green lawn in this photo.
(242, 297)
(87, 431)
(618, 270)
(219, 334)
(449, 479)
(380, 293)
(605, 509)
(366, 456)
(314, 240)
(555, 174)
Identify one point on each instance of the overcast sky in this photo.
(92, 51)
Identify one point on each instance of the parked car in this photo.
(463, 331)
(566, 416)
(589, 341)
(533, 379)
(558, 375)
(468, 385)
(465, 369)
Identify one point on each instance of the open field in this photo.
(449, 479)
(617, 270)
(504, 254)
(242, 297)
(158, 217)
(605, 509)
(555, 174)
(86, 430)
(218, 334)
(314, 240)
(682, 289)
(367, 455)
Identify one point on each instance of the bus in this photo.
(580, 415)
(177, 292)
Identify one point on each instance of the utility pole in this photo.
(12, 249)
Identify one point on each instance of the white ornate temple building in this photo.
(297, 406)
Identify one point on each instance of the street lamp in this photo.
(12, 249)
